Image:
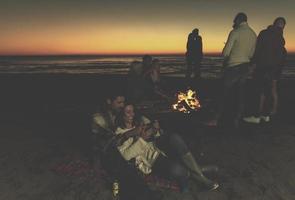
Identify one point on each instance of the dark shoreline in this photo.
(29, 90)
(68, 100)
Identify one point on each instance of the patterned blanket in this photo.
(84, 170)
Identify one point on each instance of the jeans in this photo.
(193, 66)
(172, 170)
(263, 78)
(234, 76)
(171, 167)
(173, 145)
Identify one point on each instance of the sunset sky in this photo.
(129, 26)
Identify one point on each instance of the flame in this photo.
(186, 102)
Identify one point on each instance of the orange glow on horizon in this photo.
(110, 40)
(130, 27)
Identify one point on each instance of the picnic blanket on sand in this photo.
(76, 167)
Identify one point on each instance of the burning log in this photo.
(187, 102)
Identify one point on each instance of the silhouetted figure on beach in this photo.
(144, 82)
(269, 58)
(237, 54)
(155, 85)
(136, 85)
(194, 54)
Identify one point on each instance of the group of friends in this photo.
(131, 146)
(245, 54)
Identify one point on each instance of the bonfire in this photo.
(186, 102)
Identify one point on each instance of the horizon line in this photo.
(113, 54)
(104, 54)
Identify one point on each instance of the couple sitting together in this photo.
(143, 144)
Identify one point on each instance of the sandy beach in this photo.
(45, 124)
(60, 60)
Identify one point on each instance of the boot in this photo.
(197, 174)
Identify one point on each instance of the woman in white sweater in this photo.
(139, 139)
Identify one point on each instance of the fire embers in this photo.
(187, 102)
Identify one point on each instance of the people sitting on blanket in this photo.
(103, 126)
(144, 82)
(143, 143)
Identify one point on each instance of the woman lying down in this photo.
(153, 152)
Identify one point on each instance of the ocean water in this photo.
(170, 65)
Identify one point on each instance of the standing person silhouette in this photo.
(237, 53)
(269, 59)
(194, 54)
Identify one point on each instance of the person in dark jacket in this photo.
(269, 59)
(144, 81)
(194, 54)
(138, 88)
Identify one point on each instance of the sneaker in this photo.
(265, 118)
(252, 119)
(212, 186)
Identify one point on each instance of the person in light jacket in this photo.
(237, 53)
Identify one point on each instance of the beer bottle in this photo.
(116, 190)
